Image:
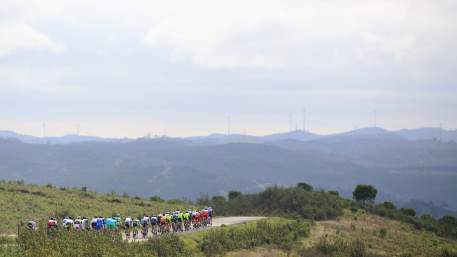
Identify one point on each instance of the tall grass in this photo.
(62, 243)
(283, 235)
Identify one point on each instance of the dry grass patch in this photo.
(381, 236)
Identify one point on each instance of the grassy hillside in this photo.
(21, 202)
(377, 236)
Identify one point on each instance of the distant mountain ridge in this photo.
(217, 138)
(189, 167)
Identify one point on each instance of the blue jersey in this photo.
(99, 224)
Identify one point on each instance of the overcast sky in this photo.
(127, 68)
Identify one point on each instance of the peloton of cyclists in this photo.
(162, 223)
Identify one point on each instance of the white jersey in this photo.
(68, 222)
(93, 222)
(128, 221)
(84, 224)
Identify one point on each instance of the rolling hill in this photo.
(404, 169)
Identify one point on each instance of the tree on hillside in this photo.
(305, 186)
(365, 194)
(408, 211)
(234, 194)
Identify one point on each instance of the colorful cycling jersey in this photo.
(180, 217)
(186, 216)
(93, 223)
(145, 221)
(168, 218)
(204, 213)
(154, 220)
(32, 225)
(111, 223)
(210, 212)
(52, 223)
(67, 222)
(128, 222)
(174, 217)
(100, 223)
(78, 224)
(84, 223)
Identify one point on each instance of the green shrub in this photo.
(305, 186)
(284, 202)
(284, 235)
(168, 246)
(382, 232)
(408, 211)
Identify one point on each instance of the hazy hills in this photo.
(402, 165)
(409, 134)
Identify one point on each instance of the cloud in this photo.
(35, 80)
(16, 36)
(311, 34)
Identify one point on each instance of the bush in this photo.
(305, 186)
(333, 192)
(156, 198)
(389, 205)
(281, 234)
(408, 212)
(285, 202)
(382, 232)
(168, 246)
(233, 195)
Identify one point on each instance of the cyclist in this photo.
(145, 225)
(118, 219)
(136, 225)
(154, 223)
(196, 219)
(204, 216)
(85, 223)
(180, 220)
(128, 224)
(52, 223)
(100, 223)
(111, 224)
(210, 215)
(162, 222)
(78, 224)
(93, 223)
(68, 223)
(174, 221)
(32, 225)
(186, 218)
(168, 219)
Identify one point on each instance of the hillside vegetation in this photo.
(20, 202)
(313, 223)
(361, 234)
(280, 233)
(290, 202)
